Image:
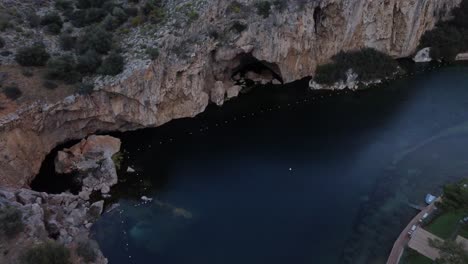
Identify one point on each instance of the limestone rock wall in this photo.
(205, 52)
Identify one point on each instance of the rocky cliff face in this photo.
(200, 60)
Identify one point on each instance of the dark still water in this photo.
(272, 178)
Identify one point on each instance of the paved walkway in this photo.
(403, 239)
(420, 242)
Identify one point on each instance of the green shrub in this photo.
(11, 218)
(153, 52)
(51, 18)
(53, 29)
(157, 15)
(192, 15)
(63, 5)
(5, 21)
(450, 37)
(94, 15)
(77, 18)
(49, 85)
(67, 41)
(263, 8)
(280, 4)
(95, 38)
(84, 88)
(87, 251)
(89, 62)
(131, 11)
(138, 20)
(120, 14)
(34, 20)
(112, 65)
(63, 68)
(238, 27)
(117, 158)
(85, 4)
(235, 7)
(368, 63)
(47, 253)
(35, 55)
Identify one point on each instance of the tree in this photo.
(112, 65)
(451, 252)
(63, 68)
(95, 38)
(455, 196)
(89, 62)
(263, 8)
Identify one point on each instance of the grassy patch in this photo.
(412, 257)
(444, 225)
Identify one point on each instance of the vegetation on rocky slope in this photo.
(449, 38)
(11, 222)
(88, 34)
(47, 253)
(369, 64)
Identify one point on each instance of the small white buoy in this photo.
(146, 199)
(130, 169)
(290, 169)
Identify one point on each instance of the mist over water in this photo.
(322, 181)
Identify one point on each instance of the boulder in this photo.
(462, 57)
(233, 91)
(217, 94)
(423, 55)
(86, 154)
(91, 161)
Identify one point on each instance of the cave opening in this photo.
(252, 69)
(47, 180)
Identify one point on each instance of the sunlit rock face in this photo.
(197, 63)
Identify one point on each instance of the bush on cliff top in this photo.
(368, 63)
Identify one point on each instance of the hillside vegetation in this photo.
(449, 38)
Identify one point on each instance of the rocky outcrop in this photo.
(62, 217)
(423, 55)
(198, 59)
(91, 163)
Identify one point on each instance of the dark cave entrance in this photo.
(263, 69)
(47, 180)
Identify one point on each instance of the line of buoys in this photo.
(306, 99)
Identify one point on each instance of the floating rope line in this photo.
(305, 100)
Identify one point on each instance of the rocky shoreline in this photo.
(66, 217)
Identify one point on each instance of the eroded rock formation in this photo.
(91, 163)
(63, 217)
(198, 60)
